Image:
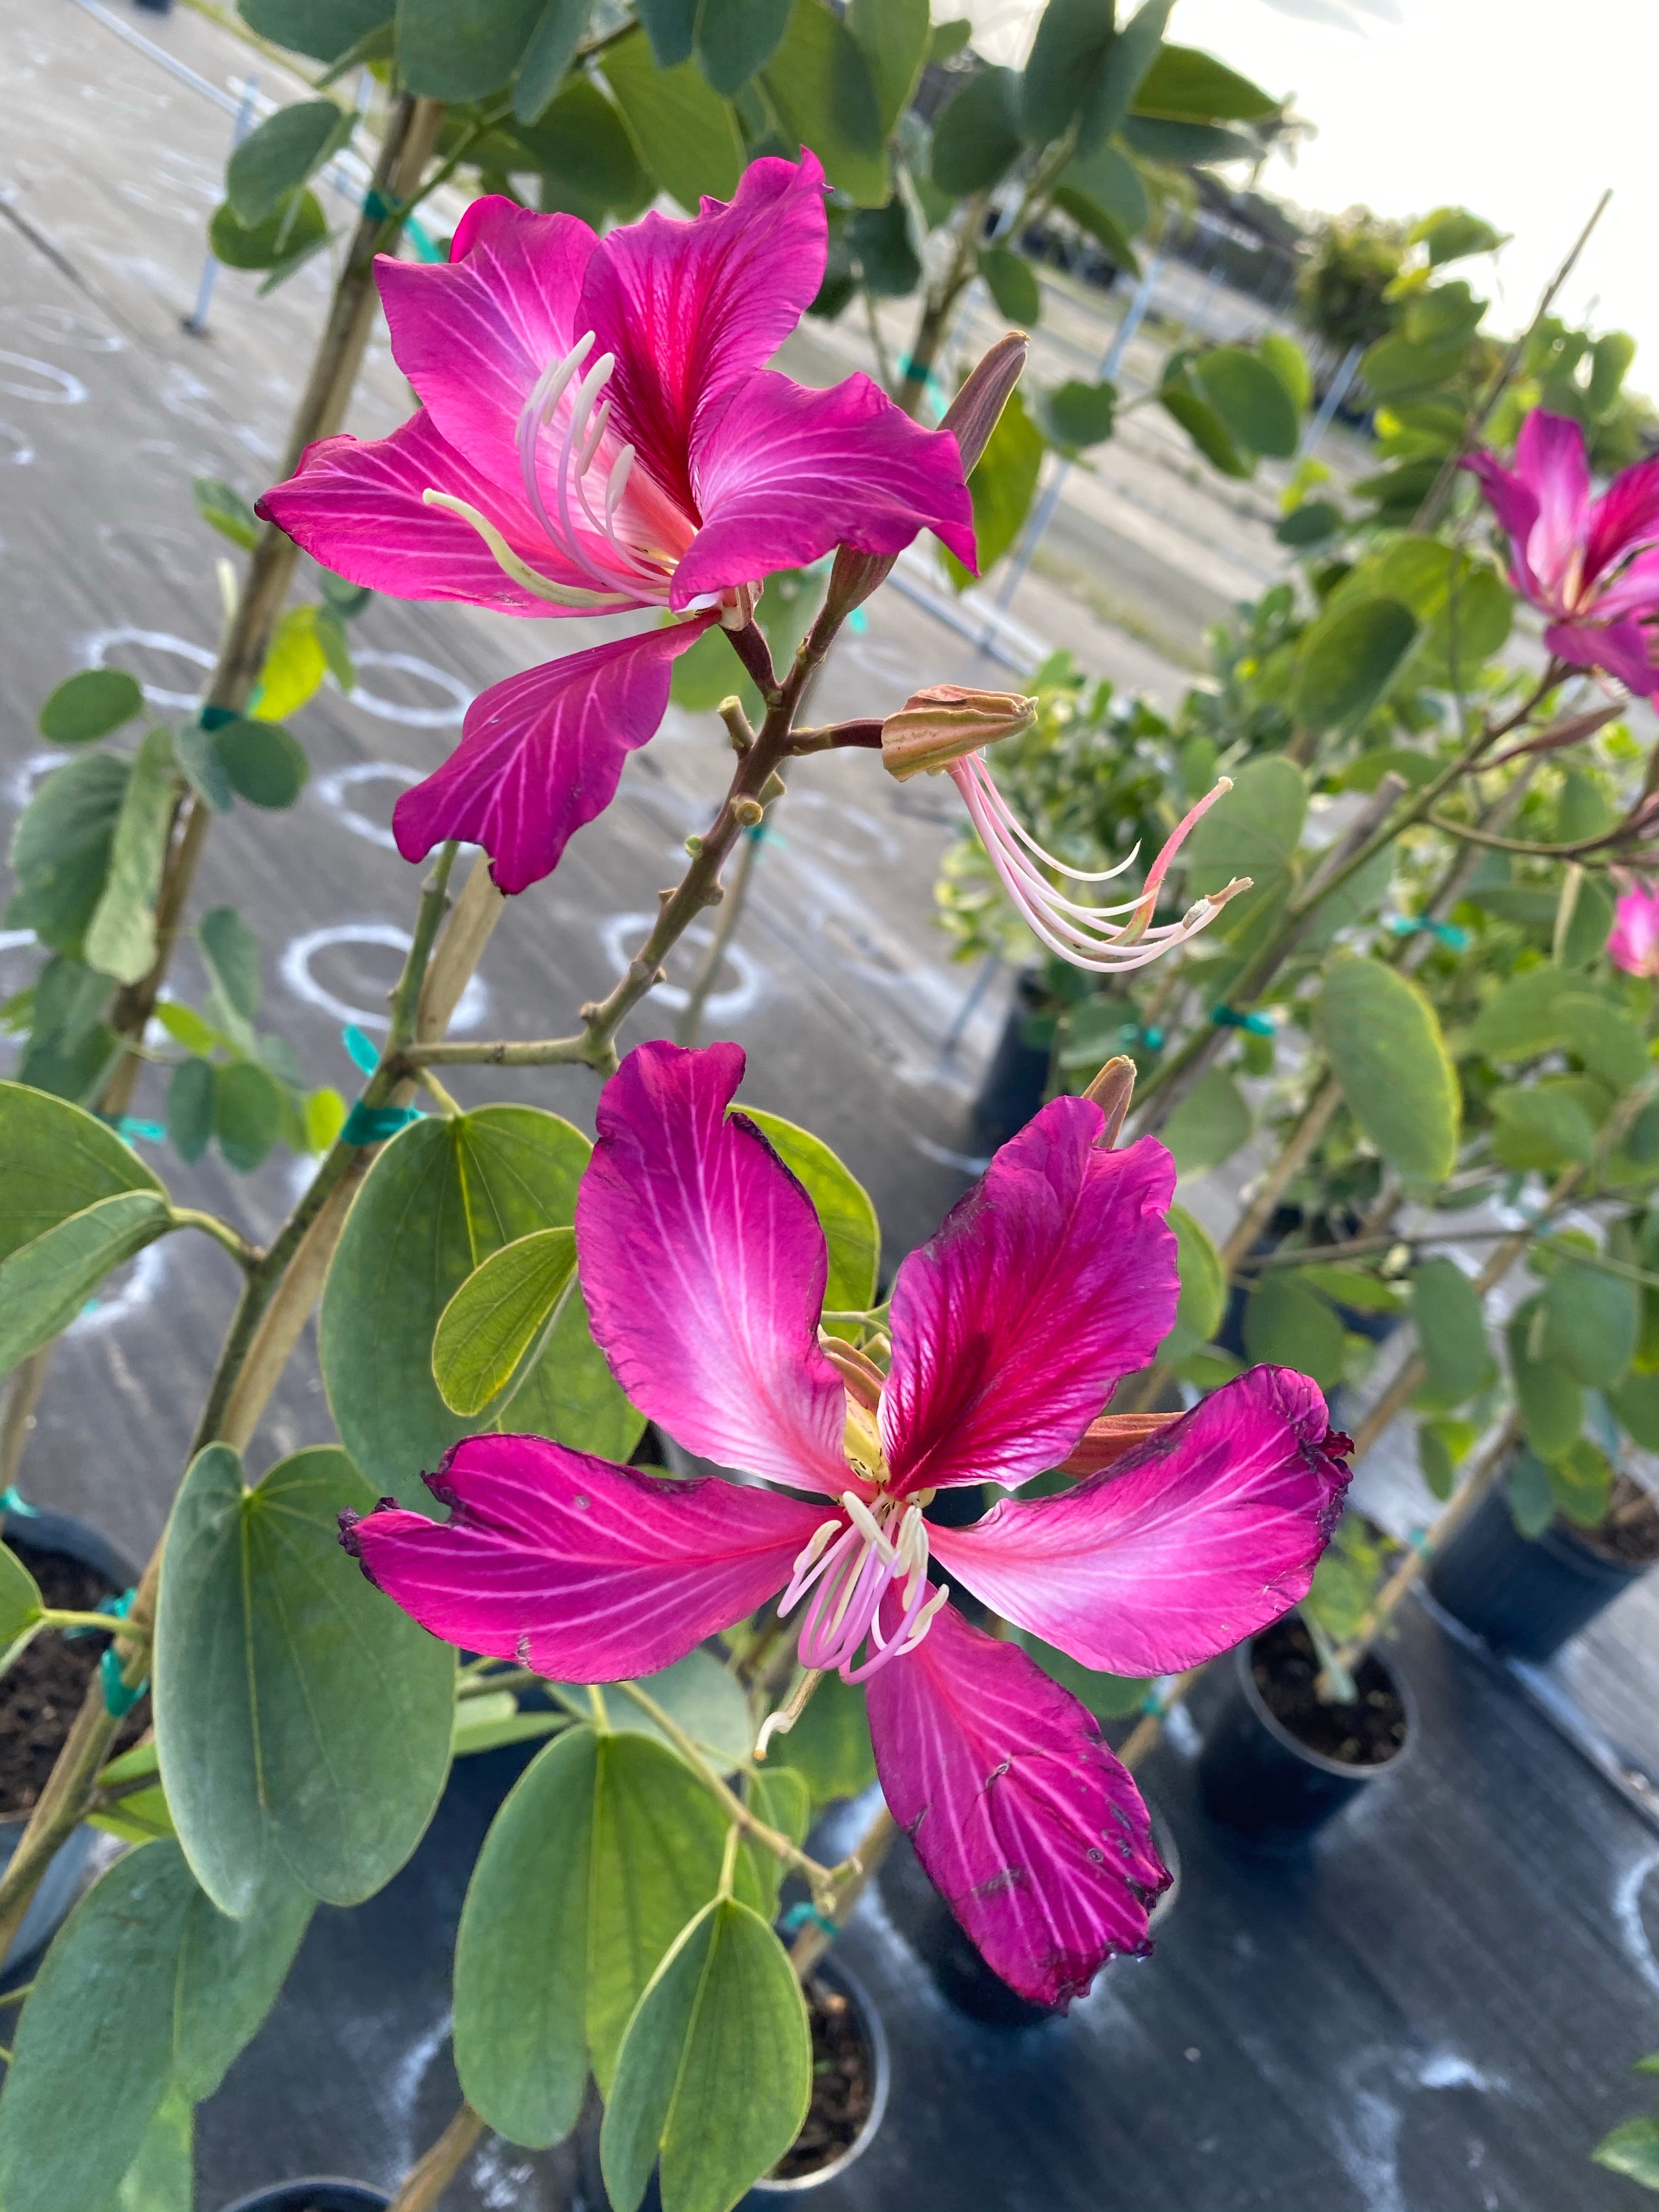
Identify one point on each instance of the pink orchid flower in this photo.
(599, 432)
(1633, 940)
(1592, 566)
(704, 1267)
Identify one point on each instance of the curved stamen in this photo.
(540, 586)
(580, 443)
(855, 1564)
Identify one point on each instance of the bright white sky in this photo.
(1523, 110)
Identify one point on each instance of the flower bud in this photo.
(940, 725)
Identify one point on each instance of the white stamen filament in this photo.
(539, 586)
(855, 1562)
(584, 434)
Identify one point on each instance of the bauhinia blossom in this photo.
(1592, 566)
(703, 1265)
(943, 730)
(1633, 940)
(599, 432)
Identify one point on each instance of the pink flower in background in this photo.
(599, 432)
(1592, 566)
(1633, 940)
(704, 1267)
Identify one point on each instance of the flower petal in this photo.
(1550, 460)
(581, 1570)
(1633, 940)
(1620, 648)
(1633, 590)
(1053, 1279)
(542, 753)
(1194, 1540)
(1625, 519)
(688, 308)
(357, 506)
(1515, 506)
(783, 475)
(1029, 1828)
(473, 335)
(703, 1266)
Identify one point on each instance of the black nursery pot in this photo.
(50, 1907)
(1018, 1075)
(318, 2196)
(959, 1973)
(1260, 1780)
(1525, 1595)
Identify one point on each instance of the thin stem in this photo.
(108, 1622)
(245, 1254)
(1150, 1727)
(864, 1862)
(731, 913)
(427, 2179)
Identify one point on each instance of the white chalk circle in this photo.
(15, 451)
(20, 783)
(622, 932)
(60, 388)
(296, 969)
(95, 649)
(333, 791)
(392, 710)
(65, 326)
(139, 1290)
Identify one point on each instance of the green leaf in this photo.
(1396, 369)
(60, 849)
(497, 1315)
(880, 242)
(59, 1161)
(683, 132)
(322, 28)
(1346, 660)
(330, 635)
(844, 1210)
(121, 936)
(1131, 54)
(45, 1283)
(892, 35)
(190, 1108)
(1545, 1126)
(264, 763)
(977, 138)
(1633, 2149)
(550, 54)
(1184, 82)
(715, 2072)
(232, 953)
(282, 154)
(325, 1118)
(194, 750)
(1530, 1493)
(1108, 1697)
(672, 27)
(1205, 428)
(1075, 415)
(90, 705)
(1591, 1322)
(1159, 139)
(1451, 233)
(162, 2177)
(1110, 182)
(829, 1745)
(819, 85)
(1209, 1125)
(440, 1199)
(1610, 360)
(90, 2075)
(1100, 223)
(1451, 1333)
(20, 1599)
(1635, 1403)
(247, 1113)
(1310, 524)
(1067, 57)
(587, 162)
(1001, 488)
(779, 1795)
(1550, 1402)
(736, 38)
(223, 507)
(292, 672)
(1383, 1038)
(1251, 398)
(461, 49)
(1012, 283)
(1435, 1459)
(69, 1044)
(1253, 830)
(1288, 1325)
(1581, 1484)
(1523, 1018)
(303, 1721)
(1203, 1289)
(298, 228)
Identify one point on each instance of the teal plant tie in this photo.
(857, 622)
(1152, 1704)
(215, 718)
(118, 1698)
(127, 1129)
(1227, 1017)
(1409, 925)
(372, 1125)
(1151, 1040)
(808, 1916)
(377, 207)
(12, 1501)
(363, 1049)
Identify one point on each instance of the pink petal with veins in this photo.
(1550, 460)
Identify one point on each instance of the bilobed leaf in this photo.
(1252, 830)
(1310, 524)
(1591, 1322)
(1011, 282)
(1209, 1125)
(671, 27)
(60, 850)
(736, 38)
(292, 669)
(1068, 54)
(1383, 1038)
(1194, 86)
(820, 87)
(1075, 415)
(303, 1721)
(892, 35)
(440, 1199)
(282, 154)
(1199, 420)
(880, 241)
(89, 2076)
(121, 937)
(497, 1315)
(1451, 1333)
(322, 28)
(683, 132)
(1001, 487)
(715, 2072)
(1289, 364)
(1287, 1325)
(1451, 233)
(844, 1208)
(298, 228)
(1109, 180)
(59, 1160)
(1251, 399)
(1396, 369)
(90, 705)
(1131, 54)
(247, 1113)
(460, 50)
(1550, 1402)
(976, 139)
(586, 159)
(1102, 225)
(1530, 1494)
(44, 1285)
(1203, 1289)
(1347, 659)
(549, 55)
(262, 762)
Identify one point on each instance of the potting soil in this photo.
(1367, 1733)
